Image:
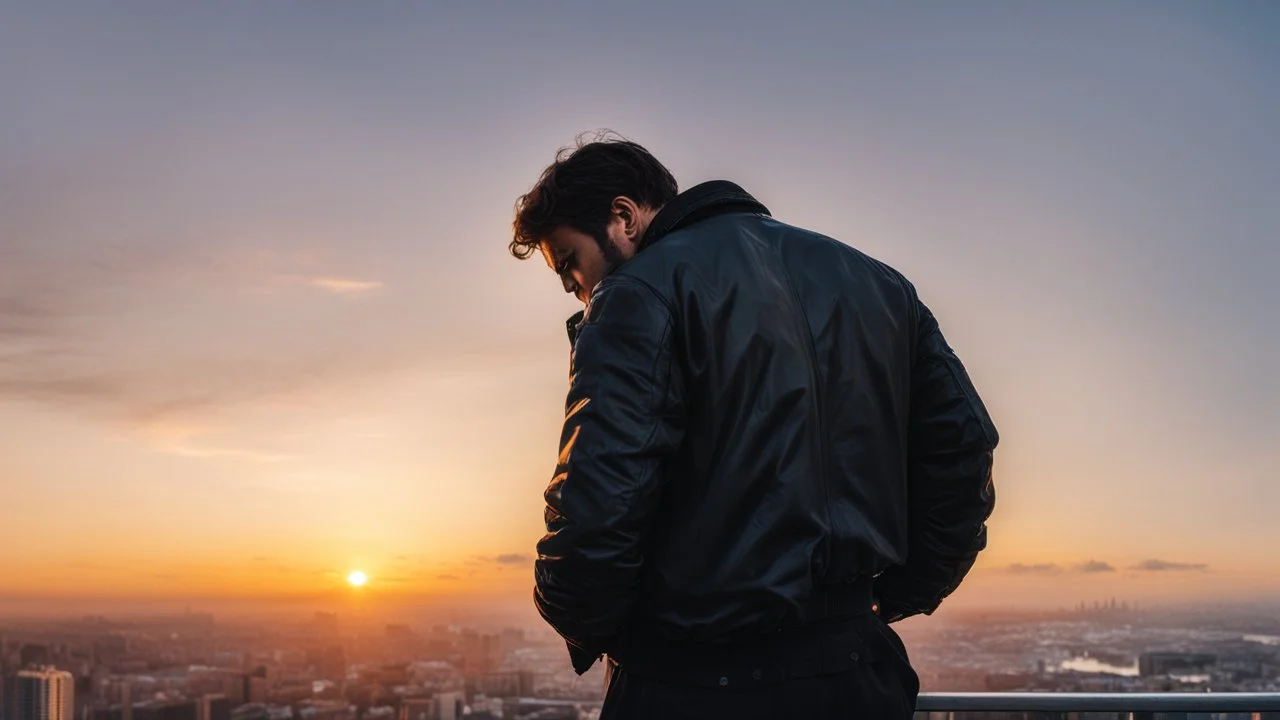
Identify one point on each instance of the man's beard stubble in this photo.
(613, 256)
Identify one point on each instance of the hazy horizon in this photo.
(259, 327)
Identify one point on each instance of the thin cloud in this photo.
(82, 389)
(181, 408)
(1039, 568)
(513, 559)
(1096, 566)
(1166, 566)
(53, 352)
(54, 305)
(447, 577)
(192, 441)
(64, 320)
(344, 286)
(227, 452)
(22, 318)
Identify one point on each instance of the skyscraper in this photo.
(47, 694)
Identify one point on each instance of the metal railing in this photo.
(1136, 706)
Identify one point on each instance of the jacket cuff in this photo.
(581, 658)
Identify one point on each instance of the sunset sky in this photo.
(259, 326)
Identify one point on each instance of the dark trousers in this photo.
(849, 669)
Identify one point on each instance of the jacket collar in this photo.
(573, 325)
(699, 202)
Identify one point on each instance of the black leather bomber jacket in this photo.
(754, 411)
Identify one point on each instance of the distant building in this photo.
(126, 700)
(546, 709)
(47, 694)
(418, 709)
(209, 707)
(215, 707)
(256, 686)
(504, 684)
(1166, 663)
(326, 622)
(1011, 681)
(511, 639)
(392, 675)
(176, 710)
(448, 706)
(252, 711)
(324, 710)
(438, 649)
(329, 662)
(113, 713)
(480, 653)
(113, 648)
(225, 682)
(34, 656)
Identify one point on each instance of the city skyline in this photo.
(259, 328)
(195, 666)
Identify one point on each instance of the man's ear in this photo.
(627, 211)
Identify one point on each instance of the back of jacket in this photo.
(755, 411)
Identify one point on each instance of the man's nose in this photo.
(570, 285)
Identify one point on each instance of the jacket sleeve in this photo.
(623, 415)
(951, 446)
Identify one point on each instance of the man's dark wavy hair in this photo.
(577, 189)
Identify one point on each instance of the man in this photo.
(765, 436)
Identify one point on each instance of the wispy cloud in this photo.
(1038, 568)
(226, 452)
(447, 577)
(513, 559)
(1096, 566)
(21, 318)
(343, 286)
(1166, 566)
(157, 340)
(195, 441)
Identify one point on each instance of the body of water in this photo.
(1093, 665)
(1263, 639)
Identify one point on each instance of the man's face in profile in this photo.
(579, 260)
(582, 261)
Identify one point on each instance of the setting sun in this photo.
(357, 579)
